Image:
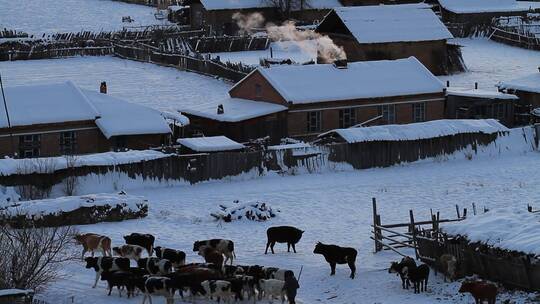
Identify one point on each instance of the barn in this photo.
(390, 32)
(462, 103)
(305, 100)
(61, 119)
(527, 88)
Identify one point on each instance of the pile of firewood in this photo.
(251, 211)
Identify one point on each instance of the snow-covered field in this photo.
(53, 16)
(159, 87)
(333, 207)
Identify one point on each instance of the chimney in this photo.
(340, 63)
(103, 87)
(220, 109)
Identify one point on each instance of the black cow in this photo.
(177, 257)
(144, 240)
(225, 247)
(102, 264)
(337, 255)
(155, 265)
(397, 268)
(120, 279)
(283, 234)
(418, 276)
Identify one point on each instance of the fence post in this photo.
(411, 215)
(376, 223)
(457, 211)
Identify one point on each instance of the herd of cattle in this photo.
(167, 272)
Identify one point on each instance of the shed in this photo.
(462, 103)
(483, 11)
(210, 144)
(390, 32)
(527, 88)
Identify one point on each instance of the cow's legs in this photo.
(97, 279)
(288, 247)
(272, 247)
(333, 268)
(293, 247)
(266, 250)
(353, 269)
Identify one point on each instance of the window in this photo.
(347, 118)
(419, 112)
(68, 143)
(314, 121)
(120, 143)
(258, 90)
(29, 146)
(388, 113)
(498, 110)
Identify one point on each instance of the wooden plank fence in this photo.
(511, 36)
(228, 44)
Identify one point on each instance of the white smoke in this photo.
(308, 41)
(247, 23)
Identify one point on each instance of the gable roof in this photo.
(360, 80)
(529, 83)
(210, 144)
(391, 23)
(119, 117)
(487, 6)
(46, 104)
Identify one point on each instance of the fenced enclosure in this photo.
(228, 44)
(520, 31)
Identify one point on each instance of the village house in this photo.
(216, 16)
(477, 12)
(390, 32)
(62, 119)
(464, 103)
(528, 90)
(303, 101)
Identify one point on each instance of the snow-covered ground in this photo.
(53, 16)
(332, 207)
(159, 87)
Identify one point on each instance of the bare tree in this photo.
(71, 181)
(35, 165)
(285, 7)
(30, 258)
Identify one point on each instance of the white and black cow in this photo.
(155, 265)
(225, 247)
(144, 240)
(248, 283)
(158, 286)
(109, 264)
(218, 288)
(132, 252)
(177, 257)
(275, 273)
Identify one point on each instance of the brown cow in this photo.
(480, 291)
(212, 256)
(92, 242)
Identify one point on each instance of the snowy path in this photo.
(53, 16)
(160, 87)
(332, 208)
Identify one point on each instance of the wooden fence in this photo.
(202, 65)
(511, 36)
(228, 44)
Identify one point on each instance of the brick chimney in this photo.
(103, 87)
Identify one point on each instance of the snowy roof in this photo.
(530, 83)
(415, 131)
(45, 104)
(479, 93)
(392, 23)
(511, 228)
(234, 4)
(317, 4)
(119, 117)
(300, 145)
(178, 118)
(235, 109)
(210, 144)
(14, 292)
(367, 79)
(486, 6)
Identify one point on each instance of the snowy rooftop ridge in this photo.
(479, 93)
(530, 83)
(487, 6)
(234, 109)
(511, 228)
(392, 23)
(415, 131)
(210, 144)
(211, 5)
(368, 79)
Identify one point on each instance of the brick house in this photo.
(303, 101)
(527, 88)
(390, 32)
(60, 119)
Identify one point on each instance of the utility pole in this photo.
(7, 116)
